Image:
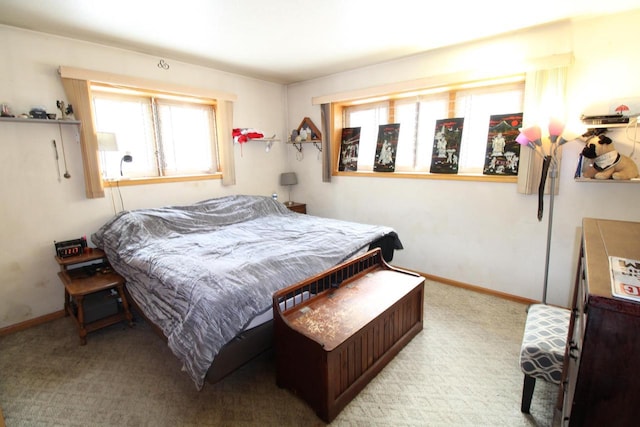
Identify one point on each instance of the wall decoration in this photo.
(503, 151)
(349, 145)
(308, 131)
(386, 148)
(446, 145)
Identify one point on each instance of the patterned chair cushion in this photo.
(543, 343)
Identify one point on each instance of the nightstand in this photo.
(92, 284)
(297, 207)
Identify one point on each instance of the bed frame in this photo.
(236, 353)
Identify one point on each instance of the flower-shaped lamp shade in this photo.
(556, 127)
(522, 139)
(533, 134)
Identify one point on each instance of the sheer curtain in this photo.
(544, 98)
(224, 127)
(325, 110)
(78, 94)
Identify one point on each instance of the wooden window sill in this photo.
(510, 179)
(124, 182)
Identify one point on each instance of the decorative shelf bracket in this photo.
(297, 145)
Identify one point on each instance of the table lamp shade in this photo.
(288, 178)
(107, 141)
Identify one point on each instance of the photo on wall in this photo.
(446, 145)
(386, 148)
(503, 152)
(350, 142)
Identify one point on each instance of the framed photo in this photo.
(349, 145)
(386, 148)
(446, 145)
(503, 152)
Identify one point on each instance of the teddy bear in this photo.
(607, 162)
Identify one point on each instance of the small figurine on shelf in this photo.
(5, 111)
(65, 111)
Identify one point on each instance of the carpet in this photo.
(461, 370)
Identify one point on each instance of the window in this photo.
(166, 136)
(417, 113)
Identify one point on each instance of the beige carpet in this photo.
(461, 370)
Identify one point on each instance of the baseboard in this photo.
(475, 288)
(1, 418)
(58, 314)
(30, 323)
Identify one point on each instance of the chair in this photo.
(543, 347)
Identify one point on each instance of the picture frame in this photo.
(446, 145)
(502, 153)
(349, 146)
(386, 148)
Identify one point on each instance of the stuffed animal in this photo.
(607, 162)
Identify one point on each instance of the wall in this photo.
(486, 234)
(478, 233)
(37, 208)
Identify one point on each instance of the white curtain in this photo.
(544, 98)
(224, 124)
(325, 110)
(79, 95)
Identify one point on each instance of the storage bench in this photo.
(334, 332)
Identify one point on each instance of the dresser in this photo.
(601, 375)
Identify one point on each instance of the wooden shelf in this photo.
(609, 181)
(42, 121)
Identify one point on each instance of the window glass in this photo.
(186, 132)
(368, 118)
(476, 106)
(417, 116)
(163, 137)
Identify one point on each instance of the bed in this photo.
(204, 274)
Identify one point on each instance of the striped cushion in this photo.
(543, 343)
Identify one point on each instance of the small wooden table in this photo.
(78, 284)
(297, 207)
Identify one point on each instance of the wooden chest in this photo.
(336, 331)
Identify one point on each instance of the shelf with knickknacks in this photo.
(307, 132)
(599, 160)
(243, 135)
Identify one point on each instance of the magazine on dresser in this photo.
(625, 278)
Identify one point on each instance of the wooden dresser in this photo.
(336, 331)
(601, 377)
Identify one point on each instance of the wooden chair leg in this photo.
(527, 393)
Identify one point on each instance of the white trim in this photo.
(142, 83)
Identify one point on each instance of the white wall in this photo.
(486, 234)
(36, 209)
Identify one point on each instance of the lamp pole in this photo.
(553, 171)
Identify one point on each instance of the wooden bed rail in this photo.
(302, 292)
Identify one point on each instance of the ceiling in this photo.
(287, 41)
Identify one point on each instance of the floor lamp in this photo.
(531, 137)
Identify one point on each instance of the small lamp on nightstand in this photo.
(289, 179)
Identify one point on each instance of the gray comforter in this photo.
(202, 272)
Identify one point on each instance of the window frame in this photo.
(337, 122)
(113, 91)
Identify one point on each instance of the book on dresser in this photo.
(625, 278)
